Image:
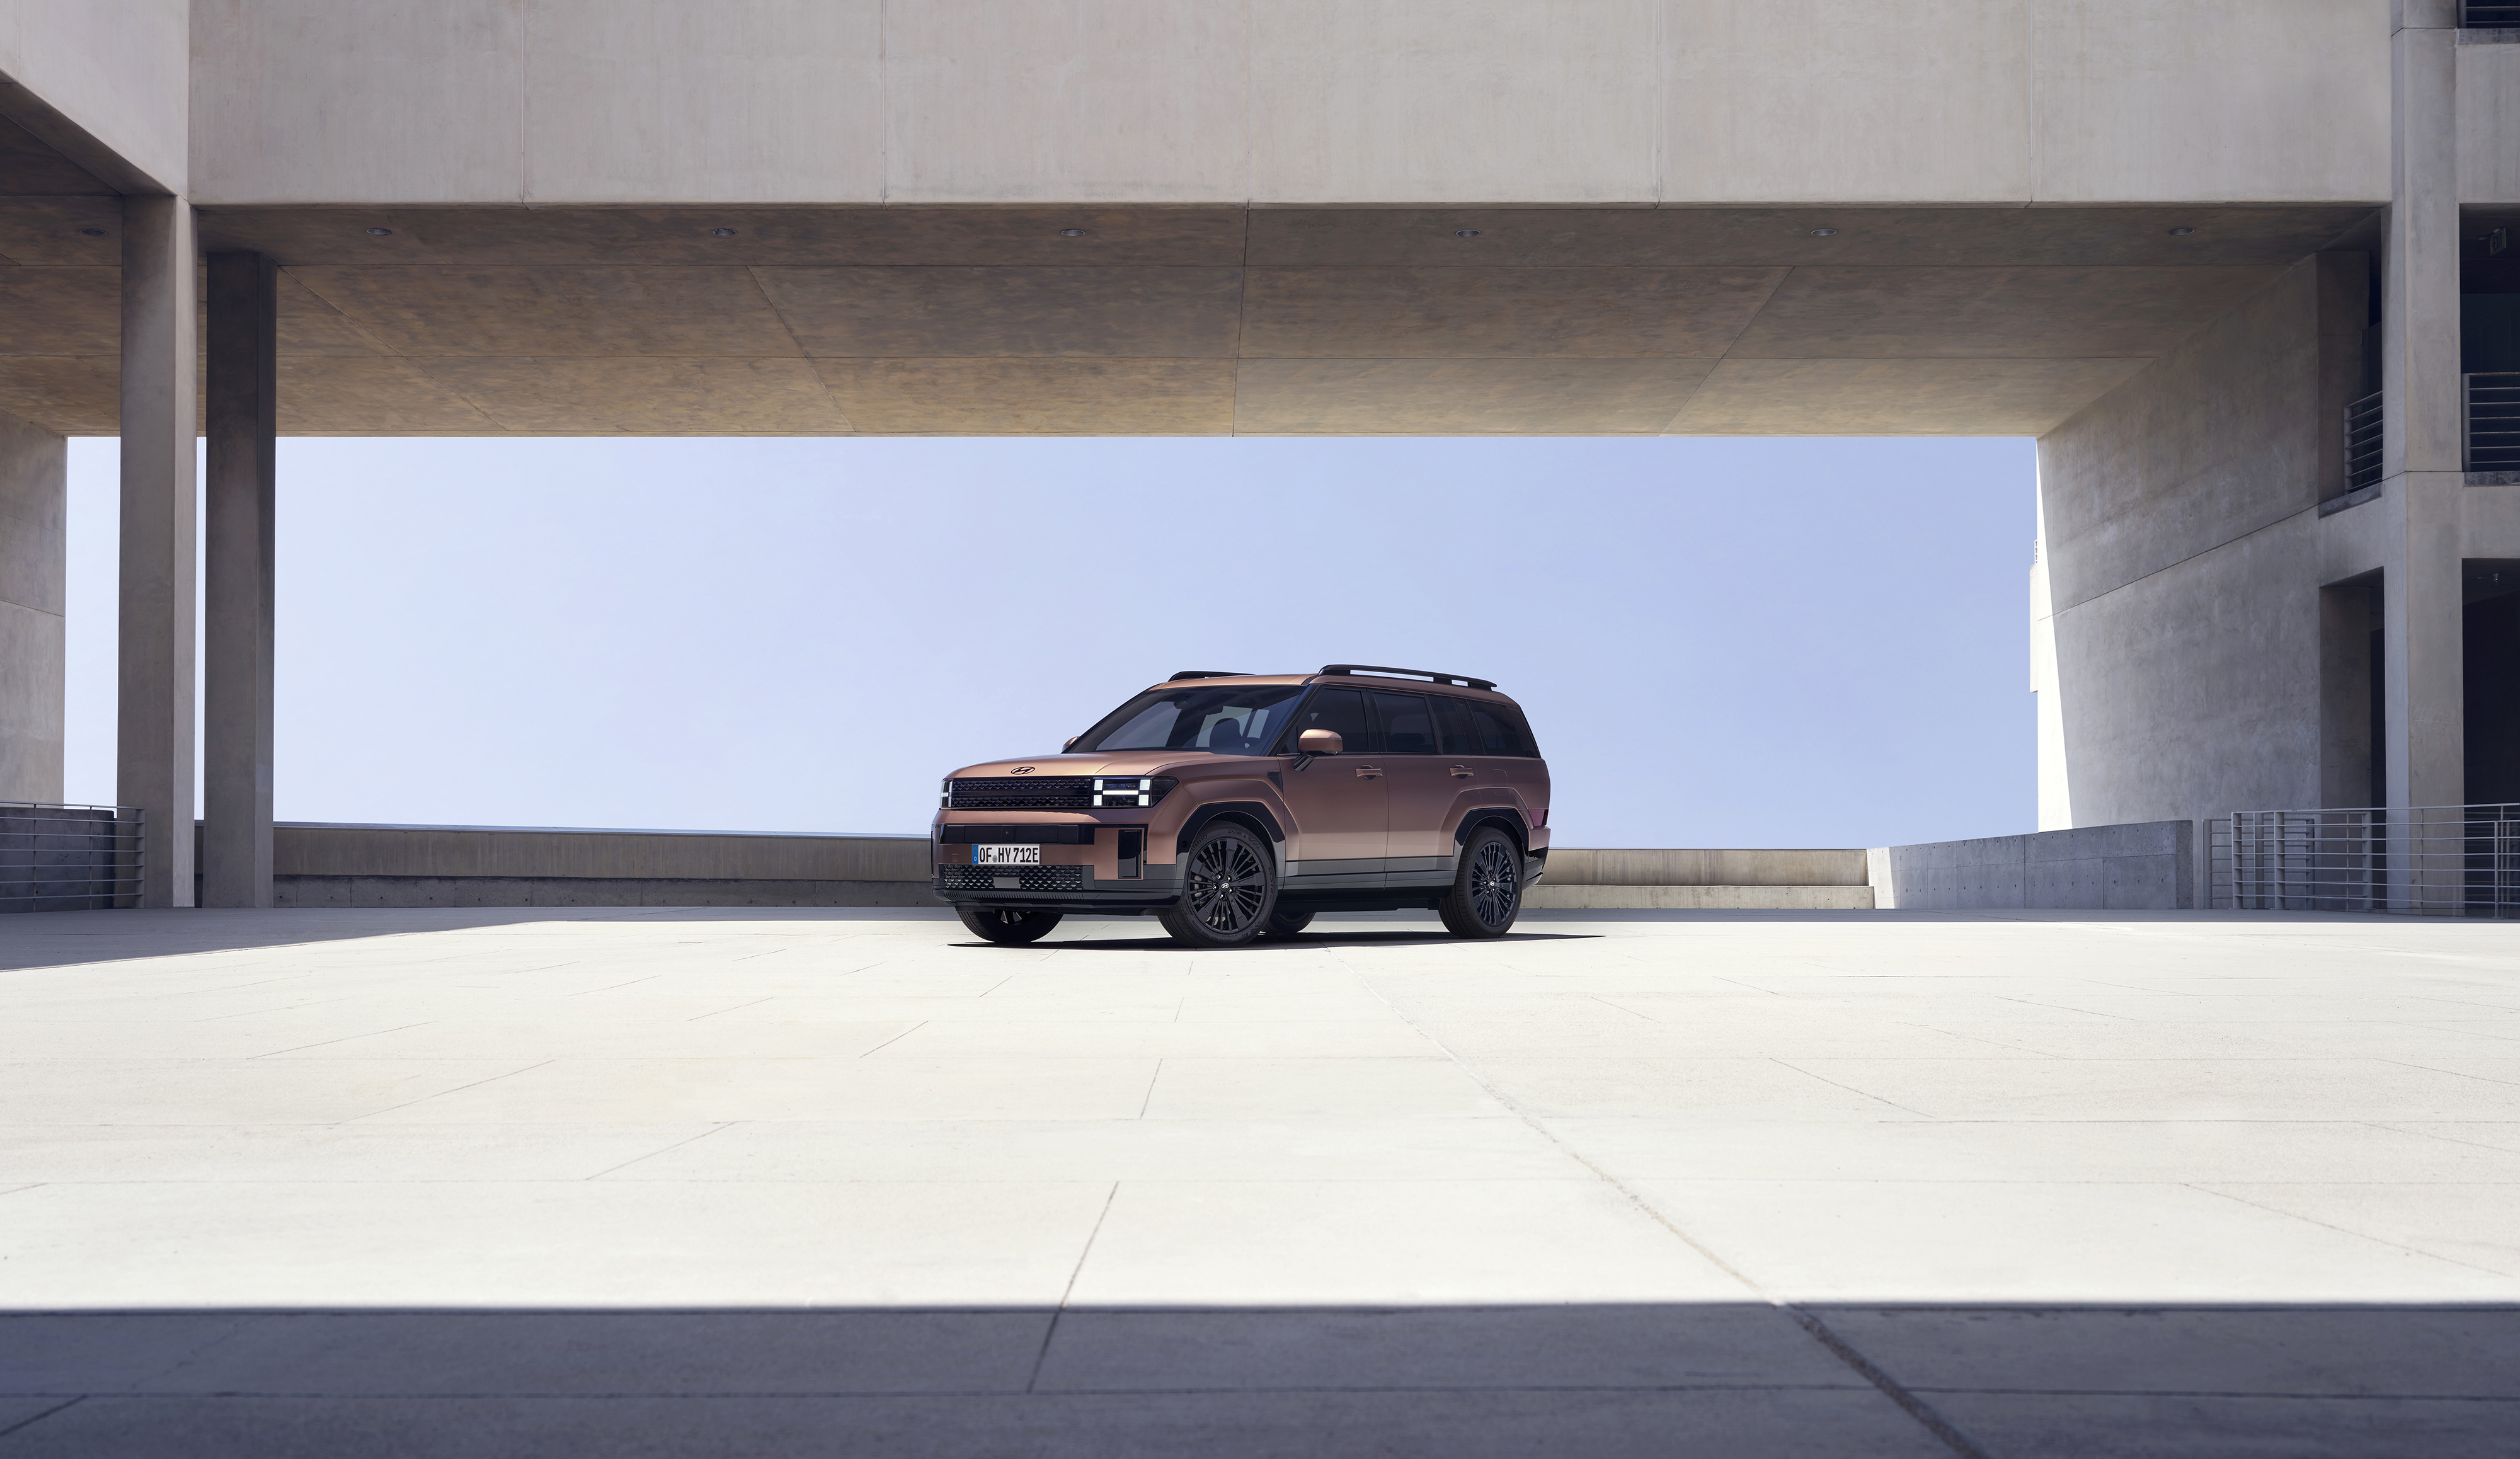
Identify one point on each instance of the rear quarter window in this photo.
(1478, 727)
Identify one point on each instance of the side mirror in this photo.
(1072, 743)
(1319, 742)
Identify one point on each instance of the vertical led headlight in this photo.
(1113, 794)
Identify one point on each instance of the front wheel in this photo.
(1007, 924)
(1487, 890)
(1229, 890)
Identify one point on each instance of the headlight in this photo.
(945, 797)
(1116, 794)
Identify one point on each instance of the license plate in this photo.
(1006, 856)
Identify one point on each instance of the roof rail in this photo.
(1462, 678)
(1204, 674)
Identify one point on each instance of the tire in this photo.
(1006, 925)
(1286, 923)
(1229, 890)
(1487, 889)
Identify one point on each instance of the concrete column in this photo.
(160, 503)
(34, 482)
(235, 639)
(2424, 451)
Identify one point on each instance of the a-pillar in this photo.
(153, 728)
(2423, 452)
(236, 597)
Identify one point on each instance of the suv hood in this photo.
(1119, 762)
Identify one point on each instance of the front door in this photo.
(1340, 802)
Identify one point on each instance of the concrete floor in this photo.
(732, 1182)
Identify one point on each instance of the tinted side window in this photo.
(1518, 726)
(1407, 726)
(1340, 711)
(1490, 730)
(1453, 718)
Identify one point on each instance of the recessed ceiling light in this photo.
(2181, 231)
(91, 233)
(1071, 233)
(721, 233)
(380, 233)
(1823, 232)
(1466, 232)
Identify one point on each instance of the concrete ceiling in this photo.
(908, 321)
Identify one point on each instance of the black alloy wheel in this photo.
(1005, 924)
(1487, 890)
(1229, 890)
(1287, 922)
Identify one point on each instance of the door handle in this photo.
(1461, 772)
(1368, 772)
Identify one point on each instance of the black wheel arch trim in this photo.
(1249, 814)
(1504, 818)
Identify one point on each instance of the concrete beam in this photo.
(237, 686)
(159, 503)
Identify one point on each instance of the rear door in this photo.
(1341, 803)
(1486, 752)
(1423, 786)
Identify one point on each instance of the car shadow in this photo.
(1298, 943)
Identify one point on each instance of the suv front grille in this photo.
(1021, 793)
(1025, 879)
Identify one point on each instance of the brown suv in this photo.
(1235, 806)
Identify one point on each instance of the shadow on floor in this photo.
(1465, 1383)
(1328, 935)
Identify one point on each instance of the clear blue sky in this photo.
(1720, 643)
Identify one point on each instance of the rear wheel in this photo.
(1487, 890)
(1287, 922)
(1005, 924)
(1228, 889)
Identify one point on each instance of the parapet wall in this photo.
(2145, 867)
(427, 865)
(2129, 868)
(437, 865)
(1693, 867)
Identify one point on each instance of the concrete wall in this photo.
(411, 866)
(2489, 117)
(2182, 563)
(1695, 867)
(33, 480)
(115, 69)
(1287, 100)
(302, 849)
(2104, 868)
(400, 865)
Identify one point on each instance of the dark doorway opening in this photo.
(2354, 763)
(2491, 676)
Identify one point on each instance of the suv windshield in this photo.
(1226, 721)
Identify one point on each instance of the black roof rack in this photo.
(1462, 678)
(1205, 674)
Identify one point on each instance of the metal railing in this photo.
(2429, 860)
(2362, 443)
(68, 858)
(2489, 406)
(2475, 16)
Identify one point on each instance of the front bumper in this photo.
(1083, 867)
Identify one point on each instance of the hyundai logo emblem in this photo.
(1020, 770)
